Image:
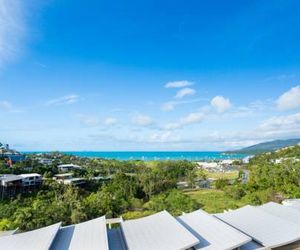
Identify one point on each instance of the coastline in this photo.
(153, 155)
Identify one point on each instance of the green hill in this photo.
(268, 146)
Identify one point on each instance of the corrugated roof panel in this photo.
(264, 228)
(40, 239)
(160, 231)
(213, 233)
(90, 235)
(295, 206)
(281, 211)
(7, 233)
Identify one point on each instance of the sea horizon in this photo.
(152, 155)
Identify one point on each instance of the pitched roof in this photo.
(160, 231)
(39, 239)
(90, 235)
(212, 232)
(281, 211)
(7, 233)
(266, 229)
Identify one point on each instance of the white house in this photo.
(31, 179)
(45, 161)
(68, 179)
(67, 167)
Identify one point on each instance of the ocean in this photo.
(160, 155)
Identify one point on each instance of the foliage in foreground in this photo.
(134, 188)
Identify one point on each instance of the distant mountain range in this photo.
(267, 146)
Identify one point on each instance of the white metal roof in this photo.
(90, 235)
(281, 211)
(160, 231)
(7, 233)
(266, 229)
(68, 166)
(295, 204)
(212, 232)
(30, 175)
(39, 239)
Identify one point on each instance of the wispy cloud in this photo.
(12, 29)
(171, 105)
(168, 106)
(287, 123)
(142, 120)
(9, 107)
(109, 121)
(163, 137)
(178, 84)
(64, 100)
(6, 105)
(191, 118)
(93, 120)
(290, 99)
(89, 120)
(277, 127)
(185, 92)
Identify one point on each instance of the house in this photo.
(102, 179)
(68, 167)
(8, 180)
(45, 161)
(62, 177)
(10, 185)
(31, 180)
(68, 179)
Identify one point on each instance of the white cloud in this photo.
(278, 127)
(290, 99)
(109, 121)
(65, 100)
(192, 118)
(187, 120)
(142, 120)
(168, 106)
(287, 122)
(93, 121)
(12, 29)
(178, 84)
(185, 92)
(220, 104)
(164, 137)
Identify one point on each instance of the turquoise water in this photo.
(150, 156)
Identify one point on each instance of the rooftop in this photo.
(248, 228)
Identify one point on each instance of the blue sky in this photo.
(148, 75)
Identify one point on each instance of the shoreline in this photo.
(152, 155)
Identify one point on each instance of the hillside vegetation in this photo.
(268, 146)
(138, 189)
